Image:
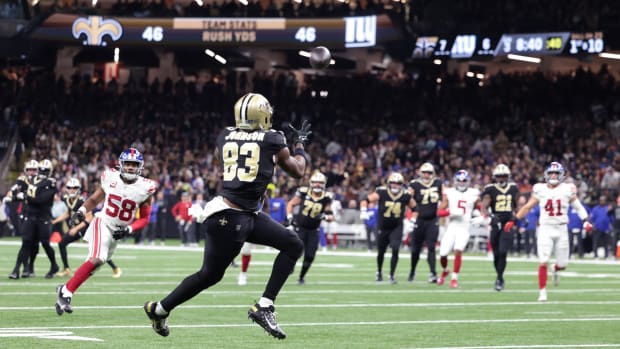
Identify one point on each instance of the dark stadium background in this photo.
(389, 106)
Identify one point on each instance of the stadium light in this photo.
(609, 55)
(524, 58)
(220, 59)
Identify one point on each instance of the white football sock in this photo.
(265, 302)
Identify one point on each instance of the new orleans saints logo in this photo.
(95, 28)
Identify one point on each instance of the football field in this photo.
(340, 306)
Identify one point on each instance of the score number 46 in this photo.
(153, 33)
(306, 34)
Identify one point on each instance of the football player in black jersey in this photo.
(500, 198)
(393, 201)
(18, 194)
(248, 154)
(314, 205)
(73, 201)
(426, 191)
(37, 227)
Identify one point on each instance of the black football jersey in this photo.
(503, 200)
(392, 208)
(247, 163)
(311, 208)
(40, 198)
(72, 203)
(21, 185)
(426, 197)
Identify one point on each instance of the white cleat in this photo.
(242, 280)
(542, 296)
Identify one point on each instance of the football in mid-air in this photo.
(320, 57)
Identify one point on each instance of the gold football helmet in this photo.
(31, 165)
(45, 168)
(253, 112)
(318, 182)
(427, 172)
(395, 182)
(501, 174)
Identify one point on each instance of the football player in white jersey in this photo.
(553, 198)
(125, 193)
(457, 203)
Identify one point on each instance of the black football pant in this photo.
(501, 242)
(425, 232)
(226, 232)
(389, 237)
(310, 239)
(33, 231)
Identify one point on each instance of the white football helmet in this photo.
(45, 168)
(427, 172)
(501, 174)
(554, 167)
(461, 180)
(253, 112)
(395, 182)
(318, 182)
(73, 187)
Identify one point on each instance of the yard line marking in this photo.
(43, 334)
(340, 305)
(321, 324)
(388, 289)
(365, 254)
(530, 346)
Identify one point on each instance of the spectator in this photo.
(601, 217)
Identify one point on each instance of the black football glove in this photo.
(121, 232)
(303, 133)
(77, 218)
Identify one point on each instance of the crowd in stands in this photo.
(365, 126)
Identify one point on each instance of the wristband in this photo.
(82, 209)
(299, 151)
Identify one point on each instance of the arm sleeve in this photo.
(140, 223)
(579, 209)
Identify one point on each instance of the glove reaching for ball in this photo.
(320, 57)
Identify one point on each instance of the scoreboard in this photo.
(344, 32)
(471, 45)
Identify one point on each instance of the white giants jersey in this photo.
(122, 200)
(461, 204)
(554, 202)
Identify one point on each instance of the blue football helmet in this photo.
(130, 155)
(461, 180)
(554, 167)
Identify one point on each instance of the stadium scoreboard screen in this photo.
(471, 45)
(344, 32)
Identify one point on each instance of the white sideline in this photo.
(341, 305)
(322, 324)
(340, 252)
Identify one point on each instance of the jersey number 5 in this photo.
(233, 168)
(117, 207)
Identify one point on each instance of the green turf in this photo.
(341, 306)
